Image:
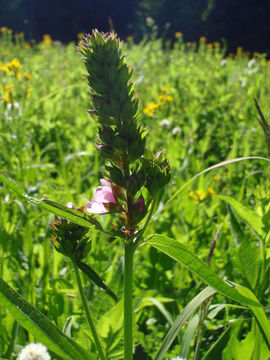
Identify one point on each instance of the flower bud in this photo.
(69, 238)
(112, 95)
(158, 173)
(138, 210)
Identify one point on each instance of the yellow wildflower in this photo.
(217, 44)
(28, 92)
(129, 38)
(28, 76)
(200, 195)
(178, 34)
(13, 67)
(202, 39)
(47, 40)
(8, 97)
(150, 108)
(3, 28)
(165, 89)
(5, 69)
(163, 97)
(26, 45)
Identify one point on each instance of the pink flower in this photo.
(103, 195)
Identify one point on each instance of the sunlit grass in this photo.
(197, 104)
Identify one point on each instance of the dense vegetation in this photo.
(197, 105)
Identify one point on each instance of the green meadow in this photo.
(198, 106)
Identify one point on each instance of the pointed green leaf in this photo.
(181, 319)
(38, 325)
(58, 209)
(250, 217)
(259, 314)
(181, 254)
(93, 276)
(248, 257)
(68, 326)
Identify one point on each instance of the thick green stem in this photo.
(88, 314)
(128, 309)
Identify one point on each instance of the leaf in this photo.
(181, 254)
(68, 326)
(181, 319)
(58, 209)
(39, 326)
(93, 276)
(111, 320)
(110, 328)
(247, 254)
(259, 314)
(250, 217)
(252, 345)
(189, 334)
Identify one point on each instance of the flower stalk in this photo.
(87, 312)
(135, 175)
(128, 308)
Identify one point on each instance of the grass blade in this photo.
(38, 325)
(181, 319)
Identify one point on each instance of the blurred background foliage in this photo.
(243, 23)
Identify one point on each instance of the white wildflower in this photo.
(165, 123)
(176, 130)
(251, 63)
(34, 352)
(223, 62)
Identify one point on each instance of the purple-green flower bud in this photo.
(138, 210)
(158, 173)
(70, 239)
(112, 94)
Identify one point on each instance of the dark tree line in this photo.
(238, 22)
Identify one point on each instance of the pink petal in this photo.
(104, 194)
(105, 183)
(96, 208)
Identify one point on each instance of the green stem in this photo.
(128, 309)
(88, 314)
(149, 216)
